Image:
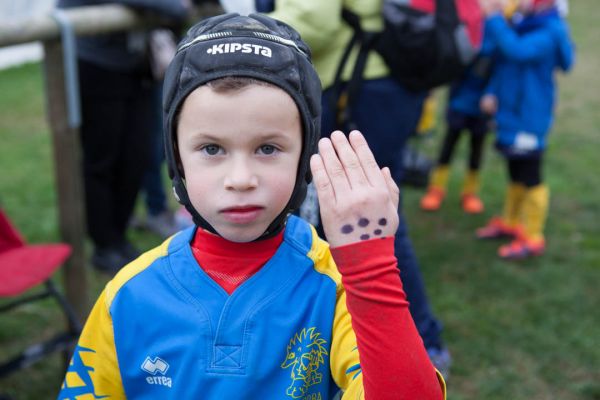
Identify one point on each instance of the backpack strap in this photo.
(343, 98)
(446, 13)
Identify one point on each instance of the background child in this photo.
(463, 113)
(521, 94)
(250, 304)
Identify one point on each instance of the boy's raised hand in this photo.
(358, 201)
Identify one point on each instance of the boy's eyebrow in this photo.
(258, 137)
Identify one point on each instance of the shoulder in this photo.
(143, 264)
(304, 237)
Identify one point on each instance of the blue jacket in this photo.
(466, 93)
(523, 78)
(163, 329)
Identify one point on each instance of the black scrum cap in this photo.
(253, 46)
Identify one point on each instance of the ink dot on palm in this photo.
(346, 229)
(377, 232)
(382, 222)
(364, 237)
(363, 222)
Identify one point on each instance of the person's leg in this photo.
(509, 224)
(534, 209)
(159, 219)
(456, 123)
(514, 195)
(535, 203)
(152, 184)
(478, 130)
(470, 200)
(133, 152)
(436, 190)
(103, 114)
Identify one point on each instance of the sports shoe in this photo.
(471, 204)
(521, 248)
(441, 360)
(496, 228)
(432, 200)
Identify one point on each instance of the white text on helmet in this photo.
(224, 48)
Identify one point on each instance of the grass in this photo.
(527, 330)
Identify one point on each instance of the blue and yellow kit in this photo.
(163, 329)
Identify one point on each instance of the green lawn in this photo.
(527, 330)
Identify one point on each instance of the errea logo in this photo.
(157, 366)
(247, 48)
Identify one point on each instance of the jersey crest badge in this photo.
(305, 354)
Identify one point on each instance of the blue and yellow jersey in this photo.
(163, 329)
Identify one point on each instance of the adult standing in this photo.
(116, 87)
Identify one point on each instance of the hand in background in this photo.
(358, 200)
(489, 104)
(493, 6)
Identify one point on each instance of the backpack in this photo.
(422, 50)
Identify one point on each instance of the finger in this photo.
(325, 191)
(366, 159)
(349, 159)
(333, 167)
(393, 188)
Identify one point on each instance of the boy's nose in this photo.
(240, 177)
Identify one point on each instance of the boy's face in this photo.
(239, 151)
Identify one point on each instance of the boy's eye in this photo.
(211, 149)
(267, 149)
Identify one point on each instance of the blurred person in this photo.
(463, 114)
(385, 111)
(117, 106)
(160, 219)
(521, 95)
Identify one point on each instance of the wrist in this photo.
(351, 258)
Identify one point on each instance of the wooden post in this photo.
(69, 181)
(89, 20)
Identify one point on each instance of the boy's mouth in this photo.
(241, 214)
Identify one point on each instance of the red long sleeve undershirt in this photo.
(393, 360)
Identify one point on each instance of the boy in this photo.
(250, 304)
(521, 95)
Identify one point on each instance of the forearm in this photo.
(393, 359)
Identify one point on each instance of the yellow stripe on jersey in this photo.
(344, 361)
(134, 268)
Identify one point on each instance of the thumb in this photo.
(393, 188)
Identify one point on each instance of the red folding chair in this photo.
(23, 267)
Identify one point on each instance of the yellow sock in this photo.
(439, 177)
(535, 211)
(510, 8)
(428, 115)
(513, 204)
(471, 183)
